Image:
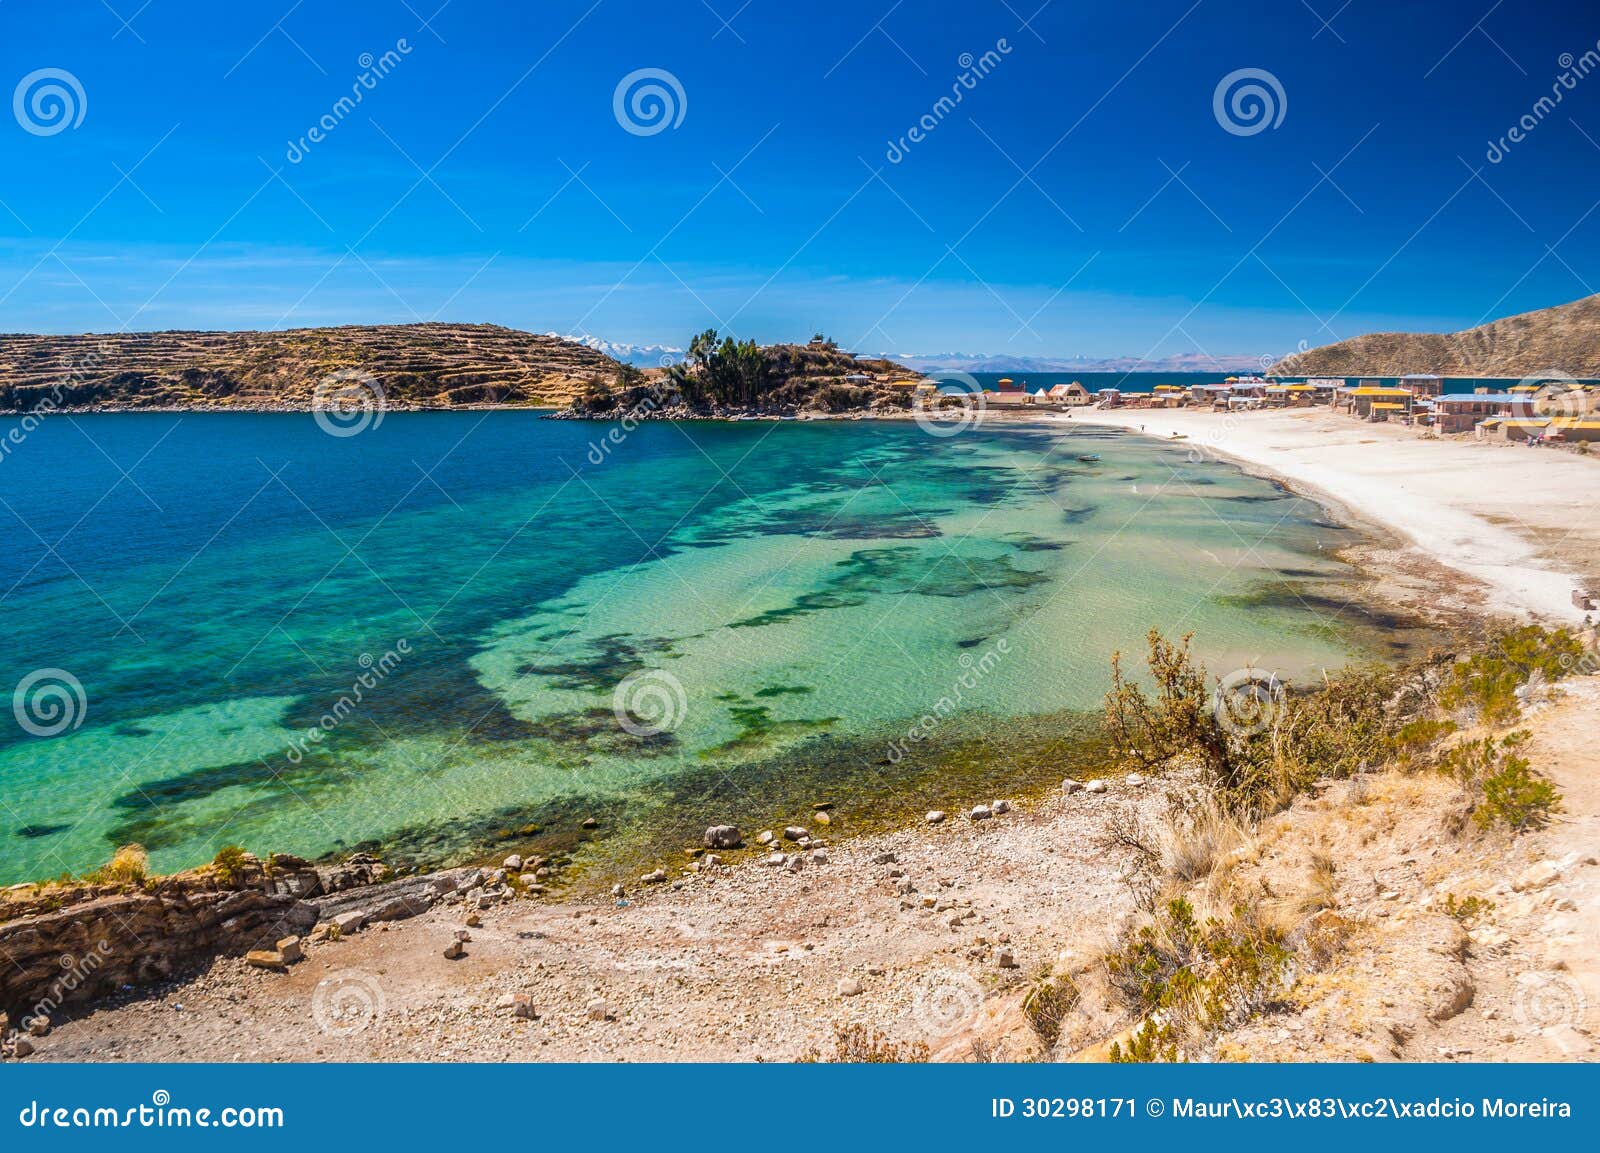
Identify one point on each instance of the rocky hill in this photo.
(815, 377)
(415, 365)
(1559, 341)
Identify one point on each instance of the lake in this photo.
(457, 632)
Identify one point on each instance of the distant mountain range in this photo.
(1559, 341)
(982, 362)
(638, 355)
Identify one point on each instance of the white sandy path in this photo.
(1525, 522)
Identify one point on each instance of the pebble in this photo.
(795, 863)
(795, 833)
(1095, 786)
(1070, 786)
(774, 858)
(765, 837)
(22, 1047)
(819, 856)
(1005, 959)
(454, 951)
(1000, 807)
(935, 816)
(980, 813)
(513, 863)
(821, 817)
(654, 878)
(849, 987)
(600, 1010)
(884, 859)
(618, 891)
(1134, 779)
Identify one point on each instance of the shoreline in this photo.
(1493, 514)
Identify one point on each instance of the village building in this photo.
(1461, 412)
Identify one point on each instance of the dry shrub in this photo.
(858, 1044)
(129, 865)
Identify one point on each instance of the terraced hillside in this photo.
(1559, 341)
(415, 365)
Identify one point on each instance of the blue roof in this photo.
(1484, 397)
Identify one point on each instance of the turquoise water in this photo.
(460, 604)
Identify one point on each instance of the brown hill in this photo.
(1559, 341)
(416, 365)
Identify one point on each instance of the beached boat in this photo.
(1089, 457)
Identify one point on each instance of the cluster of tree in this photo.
(725, 372)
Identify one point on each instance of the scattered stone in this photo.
(600, 1010)
(1000, 807)
(22, 1047)
(795, 833)
(348, 923)
(1134, 779)
(1005, 959)
(819, 856)
(723, 837)
(513, 863)
(518, 1005)
(794, 863)
(884, 859)
(980, 813)
(1537, 876)
(654, 878)
(774, 859)
(528, 881)
(39, 1025)
(618, 891)
(454, 951)
(935, 816)
(290, 950)
(821, 817)
(765, 837)
(849, 987)
(1070, 786)
(472, 920)
(264, 959)
(1095, 786)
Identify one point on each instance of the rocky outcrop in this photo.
(64, 945)
(1551, 342)
(401, 366)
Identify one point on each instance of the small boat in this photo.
(1089, 457)
(1180, 436)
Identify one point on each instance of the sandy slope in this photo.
(1523, 522)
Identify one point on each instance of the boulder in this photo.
(264, 958)
(290, 950)
(723, 837)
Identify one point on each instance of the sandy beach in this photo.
(1519, 522)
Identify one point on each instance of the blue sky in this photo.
(1083, 197)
